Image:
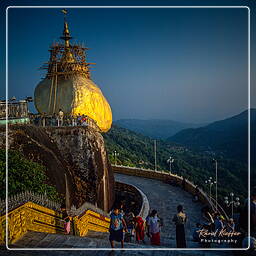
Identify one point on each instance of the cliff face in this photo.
(77, 153)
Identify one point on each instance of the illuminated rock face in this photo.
(75, 95)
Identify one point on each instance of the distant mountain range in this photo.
(193, 149)
(134, 149)
(154, 128)
(228, 136)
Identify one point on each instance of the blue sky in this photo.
(187, 64)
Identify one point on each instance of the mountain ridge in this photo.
(155, 128)
(229, 136)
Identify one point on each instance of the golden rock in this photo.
(76, 95)
(68, 85)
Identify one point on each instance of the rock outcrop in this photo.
(77, 153)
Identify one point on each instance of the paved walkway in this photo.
(165, 199)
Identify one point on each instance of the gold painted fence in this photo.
(33, 217)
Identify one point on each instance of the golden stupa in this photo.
(68, 85)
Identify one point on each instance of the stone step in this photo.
(95, 252)
(100, 240)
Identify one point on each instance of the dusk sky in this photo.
(187, 65)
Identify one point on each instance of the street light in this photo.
(216, 183)
(155, 154)
(115, 155)
(170, 161)
(210, 182)
(233, 203)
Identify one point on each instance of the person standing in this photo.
(231, 226)
(154, 228)
(117, 227)
(61, 116)
(129, 220)
(218, 222)
(139, 229)
(180, 219)
(67, 220)
(147, 223)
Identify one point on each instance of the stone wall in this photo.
(163, 176)
(171, 179)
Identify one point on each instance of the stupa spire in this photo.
(67, 56)
(65, 35)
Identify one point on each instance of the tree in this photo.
(24, 175)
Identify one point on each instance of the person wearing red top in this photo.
(139, 229)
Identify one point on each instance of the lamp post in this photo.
(210, 182)
(170, 161)
(233, 203)
(216, 183)
(155, 153)
(115, 155)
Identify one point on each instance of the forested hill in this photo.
(138, 150)
(228, 137)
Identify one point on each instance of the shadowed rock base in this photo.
(77, 152)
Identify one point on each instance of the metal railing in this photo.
(15, 201)
(86, 206)
(67, 120)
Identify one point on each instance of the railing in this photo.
(219, 208)
(87, 206)
(53, 120)
(68, 120)
(16, 109)
(15, 201)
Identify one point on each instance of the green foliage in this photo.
(137, 150)
(24, 175)
(228, 137)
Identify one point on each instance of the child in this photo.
(117, 227)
